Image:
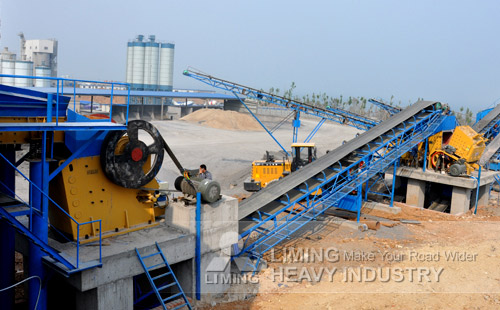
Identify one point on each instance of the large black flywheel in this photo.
(125, 153)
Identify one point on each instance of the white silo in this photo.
(8, 67)
(130, 61)
(166, 66)
(151, 64)
(24, 68)
(138, 63)
(42, 72)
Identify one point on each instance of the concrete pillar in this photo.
(484, 195)
(116, 295)
(460, 200)
(415, 193)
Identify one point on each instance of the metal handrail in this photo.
(64, 212)
(60, 88)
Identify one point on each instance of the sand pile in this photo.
(220, 119)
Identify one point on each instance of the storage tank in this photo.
(42, 72)
(166, 73)
(8, 67)
(138, 63)
(151, 63)
(23, 68)
(7, 55)
(130, 61)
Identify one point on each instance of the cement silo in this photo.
(166, 66)
(150, 64)
(151, 58)
(138, 48)
(42, 72)
(23, 68)
(8, 67)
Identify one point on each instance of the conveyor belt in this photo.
(265, 199)
(488, 121)
(491, 152)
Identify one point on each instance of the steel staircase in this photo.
(164, 281)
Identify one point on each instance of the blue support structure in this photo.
(40, 227)
(315, 130)
(7, 234)
(425, 154)
(393, 183)
(47, 109)
(278, 219)
(198, 246)
(387, 107)
(329, 113)
(296, 126)
(477, 189)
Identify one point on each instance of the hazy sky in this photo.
(440, 50)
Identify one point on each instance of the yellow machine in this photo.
(83, 190)
(115, 184)
(270, 169)
(453, 152)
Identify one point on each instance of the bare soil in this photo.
(472, 283)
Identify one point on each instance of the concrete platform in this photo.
(111, 286)
(463, 188)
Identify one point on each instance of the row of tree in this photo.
(359, 105)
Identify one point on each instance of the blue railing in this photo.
(60, 91)
(31, 208)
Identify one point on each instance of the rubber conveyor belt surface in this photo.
(479, 126)
(491, 151)
(277, 189)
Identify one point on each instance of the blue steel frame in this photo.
(376, 157)
(389, 108)
(60, 88)
(333, 114)
(37, 208)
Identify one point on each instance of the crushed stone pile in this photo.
(229, 120)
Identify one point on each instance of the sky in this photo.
(447, 51)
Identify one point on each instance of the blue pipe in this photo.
(198, 246)
(7, 233)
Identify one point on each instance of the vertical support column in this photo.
(7, 232)
(39, 175)
(296, 126)
(359, 202)
(393, 182)
(460, 200)
(198, 246)
(415, 193)
(425, 154)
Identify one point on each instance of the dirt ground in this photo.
(469, 280)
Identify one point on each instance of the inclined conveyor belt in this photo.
(488, 121)
(267, 200)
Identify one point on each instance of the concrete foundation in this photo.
(415, 193)
(463, 188)
(460, 200)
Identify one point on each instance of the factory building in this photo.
(150, 64)
(36, 58)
